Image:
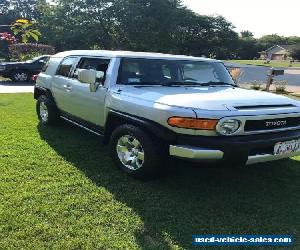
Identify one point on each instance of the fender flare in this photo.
(116, 118)
(38, 91)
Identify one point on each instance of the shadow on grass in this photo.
(261, 199)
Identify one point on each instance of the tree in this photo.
(247, 34)
(295, 53)
(268, 41)
(65, 24)
(144, 25)
(247, 48)
(15, 9)
(293, 40)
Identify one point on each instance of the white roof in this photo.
(111, 53)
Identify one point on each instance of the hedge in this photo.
(25, 51)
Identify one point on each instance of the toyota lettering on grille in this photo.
(276, 123)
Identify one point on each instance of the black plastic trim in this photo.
(38, 91)
(86, 124)
(156, 129)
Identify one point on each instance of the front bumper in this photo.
(252, 148)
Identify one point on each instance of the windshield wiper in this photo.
(141, 83)
(212, 83)
(179, 83)
(163, 83)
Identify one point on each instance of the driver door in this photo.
(87, 105)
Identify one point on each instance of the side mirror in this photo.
(87, 76)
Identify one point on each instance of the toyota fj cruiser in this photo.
(150, 105)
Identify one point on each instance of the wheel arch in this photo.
(116, 118)
(38, 91)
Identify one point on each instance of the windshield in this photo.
(34, 59)
(137, 71)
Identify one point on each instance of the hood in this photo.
(205, 98)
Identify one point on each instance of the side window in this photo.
(65, 66)
(166, 71)
(98, 64)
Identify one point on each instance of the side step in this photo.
(81, 126)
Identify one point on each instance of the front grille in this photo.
(271, 124)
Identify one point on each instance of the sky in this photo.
(261, 17)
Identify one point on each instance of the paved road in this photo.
(252, 73)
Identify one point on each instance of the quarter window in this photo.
(66, 66)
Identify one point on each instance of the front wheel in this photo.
(46, 110)
(135, 152)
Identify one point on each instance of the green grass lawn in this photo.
(60, 190)
(261, 63)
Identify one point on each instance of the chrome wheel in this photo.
(20, 76)
(43, 112)
(130, 152)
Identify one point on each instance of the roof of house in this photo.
(285, 47)
(289, 47)
(110, 53)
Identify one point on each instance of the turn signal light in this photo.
(192, 123)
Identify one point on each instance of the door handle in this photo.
(68, 87)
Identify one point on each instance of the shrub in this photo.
(280, 86)
(22, 51)
(256, 85)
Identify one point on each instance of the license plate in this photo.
(288, 147)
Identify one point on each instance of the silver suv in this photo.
(148, 106)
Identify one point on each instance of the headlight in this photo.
(228, 127)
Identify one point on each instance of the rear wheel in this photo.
(20, 76)
(135, 152)
(46, 110)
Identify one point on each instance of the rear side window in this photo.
(65, 66)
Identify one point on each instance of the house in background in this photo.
(277, 52)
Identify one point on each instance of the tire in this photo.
(20, 76)
(130, 144)
(47, 111)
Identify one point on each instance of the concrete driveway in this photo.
(252, 73)
(12, 87)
